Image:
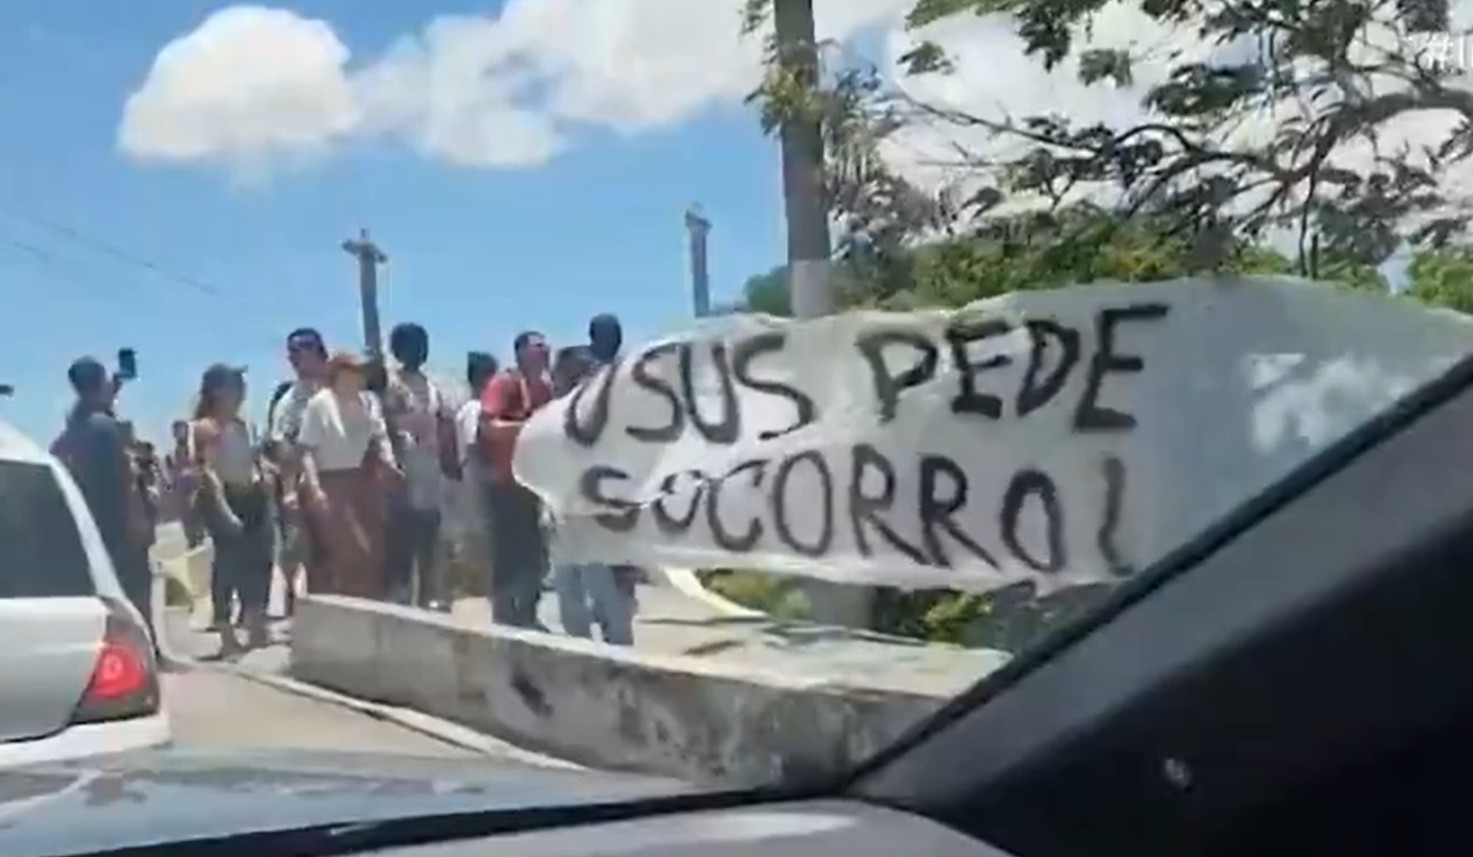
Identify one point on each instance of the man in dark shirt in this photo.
(605, 337)
(94, 447)
(605, 341)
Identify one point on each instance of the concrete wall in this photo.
(692, 719)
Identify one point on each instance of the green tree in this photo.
(1335, 73)
(1443, 278)
(768, 293)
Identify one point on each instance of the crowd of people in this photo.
(368, 481)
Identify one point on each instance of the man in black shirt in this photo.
(95, 448)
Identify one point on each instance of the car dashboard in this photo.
(820, 828)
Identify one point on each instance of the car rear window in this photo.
(41, 553)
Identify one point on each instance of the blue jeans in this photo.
(589, 593)
(413, 554)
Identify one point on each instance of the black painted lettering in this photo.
(1037, 392)
(1090, 415)
(728, 428)
(669, 524)
(780, 504)
(944, 493)
(865, 510)
(640, 374)
(723, 538)
(623, 514)
(960, 335)
(575, 427)
(747, 351)
(1032, 483)
(1114, 471)
(888, 387)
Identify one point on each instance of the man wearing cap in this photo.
(94, 447)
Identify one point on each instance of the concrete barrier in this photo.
(698, 720)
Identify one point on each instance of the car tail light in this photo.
(124, 680)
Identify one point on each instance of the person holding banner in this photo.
(587, 592)
(520, 555)
(605, 342)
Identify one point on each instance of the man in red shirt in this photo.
(520, 555)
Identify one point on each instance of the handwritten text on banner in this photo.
(1063, 437)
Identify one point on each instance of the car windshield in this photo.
(709, 390)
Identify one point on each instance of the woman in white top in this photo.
(348, 471)
(235, 506)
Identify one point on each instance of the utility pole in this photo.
(699, 228)
(809, 246)
(369, 257)
(809, 252)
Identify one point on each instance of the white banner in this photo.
(1058, 436)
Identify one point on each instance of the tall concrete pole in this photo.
(699, 228)
(809, 253)
(809, 246)
(369, 257)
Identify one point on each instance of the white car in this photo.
(78, 676)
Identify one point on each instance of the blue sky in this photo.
(476, 254)
(179, 174)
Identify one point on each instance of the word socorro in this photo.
(822, 493)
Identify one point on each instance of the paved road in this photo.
(216, 710)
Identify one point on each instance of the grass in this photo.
(776, 595)
(1010, 618)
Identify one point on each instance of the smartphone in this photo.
(127, 364)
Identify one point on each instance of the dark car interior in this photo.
(1295, 682)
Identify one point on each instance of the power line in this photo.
(52, 264)
(138, 260)
(122, 255)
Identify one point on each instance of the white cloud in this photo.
(248, 86)
(252, 85)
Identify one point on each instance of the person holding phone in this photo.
(95, 446)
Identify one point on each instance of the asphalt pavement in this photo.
(216, 708)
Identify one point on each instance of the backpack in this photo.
(276, 396)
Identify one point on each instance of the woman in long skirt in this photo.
(348, 469)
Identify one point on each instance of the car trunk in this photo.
(48, 648)
(52, 621)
